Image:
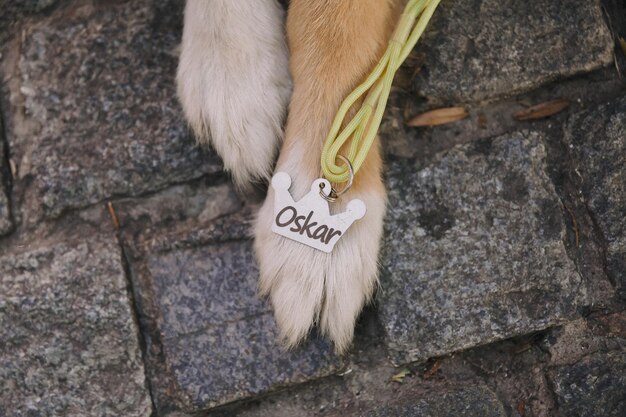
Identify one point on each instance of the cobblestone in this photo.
(101, 117)
(474, 249)
(68, 342)
(495, 48)
(217, 338)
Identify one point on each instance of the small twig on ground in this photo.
(114, 219)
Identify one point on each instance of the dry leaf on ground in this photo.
(438, 117)
(539, 111)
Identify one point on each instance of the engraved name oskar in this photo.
(308, 221)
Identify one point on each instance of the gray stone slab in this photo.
(473, 250)
(597, 142)
(484, 49)
(98, 115)
(470, 401)
(211, 339)
(594, 386)
(68, 342)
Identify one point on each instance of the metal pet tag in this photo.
(309, 221)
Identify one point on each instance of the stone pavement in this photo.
(504, 294)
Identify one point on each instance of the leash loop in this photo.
(333, 195)
(373, 93)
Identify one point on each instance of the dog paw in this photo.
(233, 82)
(307, 286)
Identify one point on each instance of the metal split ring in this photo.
(333, 195)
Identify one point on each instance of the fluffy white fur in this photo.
(307, 286)
(233, 81)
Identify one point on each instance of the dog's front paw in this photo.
(233, 81)
(308, 286)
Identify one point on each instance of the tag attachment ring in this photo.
(333, 195)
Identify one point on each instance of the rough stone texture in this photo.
(101, 116)
(588, 366)
(192, 203)
(6, 223)
(483, 49)
(14, 11)
(581, 338)
(470, 401)
(597, 142)
(594, 386)
(216, 338)
(521, 370)
(68, 342)
(474, 249)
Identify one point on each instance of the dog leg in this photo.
(333, 45)
(233, 81)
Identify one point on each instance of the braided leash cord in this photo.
(365, 123)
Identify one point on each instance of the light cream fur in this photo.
(233, 81)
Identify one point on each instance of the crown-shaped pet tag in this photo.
(308, 221)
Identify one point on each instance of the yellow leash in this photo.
(365, 123)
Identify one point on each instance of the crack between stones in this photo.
(6, 156)
(135, 313)
(6, 171)
(543, 125)
(563, 173)
(214, 179)
(602, 242)
(567, 195)
(607, 20)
